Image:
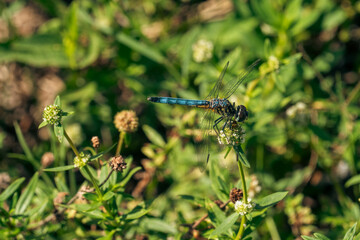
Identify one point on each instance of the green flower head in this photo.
(81, 160)
(52, 114)
(232, 136)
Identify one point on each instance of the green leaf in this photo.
(136, 213)
(108, 196)
(320, 236)
(91, 196)
(353, 180)
(25, 147)
(225, 225)
(127, 178)
(242, 157)
(350, 233)
(57, 101)
(11, 189)
(308, 238)
(153, 136)
(142, 48)
(59, 169)
(270, 200)
(59, 131)
(27, 195)
(158, 225)
(43, 124)
(99, 155)
(38, 50)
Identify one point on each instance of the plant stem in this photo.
(121, 140)
(241, 229)
(97, 189)
(245, 199)
(242, 175)
(71, 144)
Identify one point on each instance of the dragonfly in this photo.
(217, 102)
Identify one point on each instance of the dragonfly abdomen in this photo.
(179, 101)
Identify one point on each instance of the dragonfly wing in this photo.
(244, 77)
(214, 93)
(202, 148)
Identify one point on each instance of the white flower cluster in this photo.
(81, 160)
(297, 108)
(202, 50)
(232, 136)
(243, 208)
(273, 62)
(52, 114)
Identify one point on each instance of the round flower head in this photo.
(232, 136)
(81, 160)
(52, 114)
(117, 163)
(202, 50)
(126, 121)
(243, 208)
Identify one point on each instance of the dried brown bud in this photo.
(126, 121)
(117, 163)
(47, 159)
(236, 195)
(95, 142)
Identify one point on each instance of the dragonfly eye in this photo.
(242, 113)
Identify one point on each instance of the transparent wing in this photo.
(231, 86)
(214, 93)
(202, 148)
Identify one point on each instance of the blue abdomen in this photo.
(179, 101)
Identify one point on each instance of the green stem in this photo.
(97, 189)
(71, 144)
(242, 175)
(121, 140)
(241, 229)
(245, 199)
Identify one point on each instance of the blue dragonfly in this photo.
(217, 102)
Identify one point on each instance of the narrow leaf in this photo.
(59, 131)
(270, 200)
(350, 233)
(25, 147)
(353, 180)
(43, 124)
(242, 157)
(11, 189)
(27, 195)
(225, 225)
(59, 169)
(153, 136)
(159, 226)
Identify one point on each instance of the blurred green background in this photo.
(102, 57)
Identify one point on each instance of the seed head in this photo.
(95, 141)
(47, 159)
(235, 195)
(81, 160)
(52, 114)
(126, 121)
(117, 163)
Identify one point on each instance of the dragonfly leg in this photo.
(215, 126)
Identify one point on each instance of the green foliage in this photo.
(302, 135)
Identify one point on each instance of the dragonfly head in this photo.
(241, 113)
